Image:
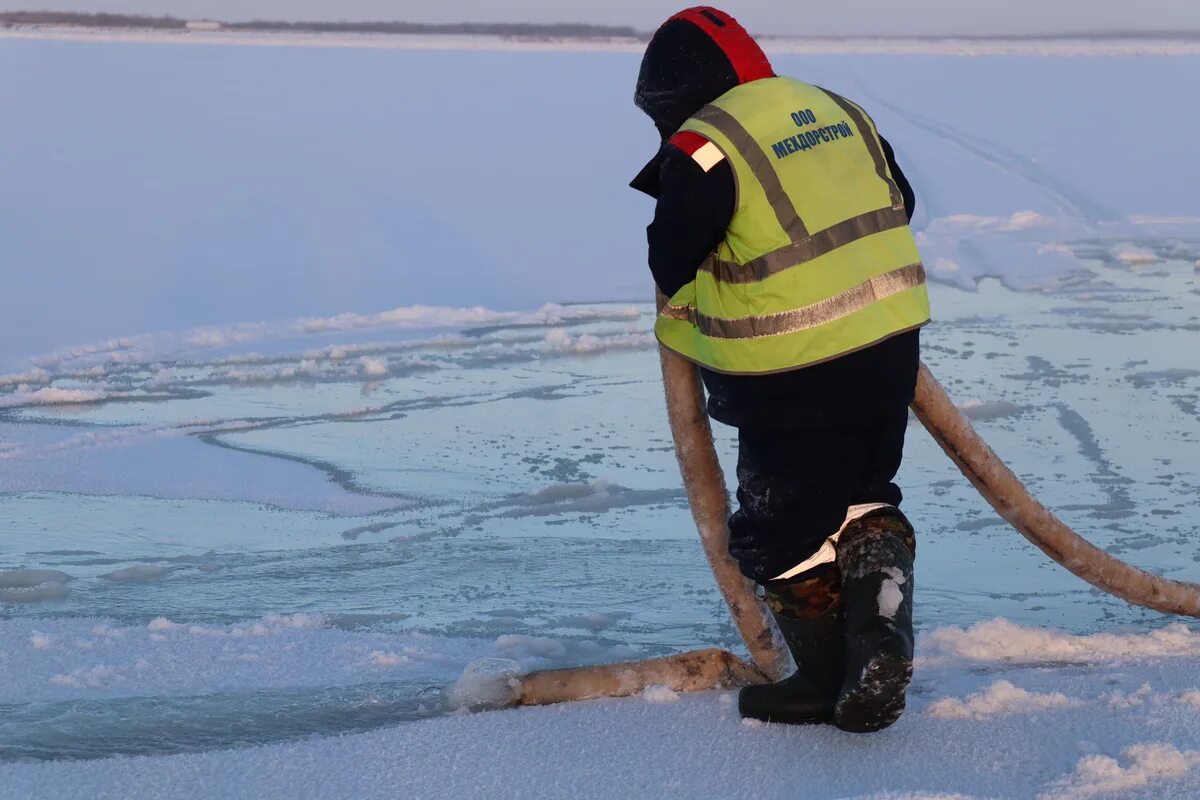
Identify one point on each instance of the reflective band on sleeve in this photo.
(760, 165)
(869, 137)
(699, 148)
(708, 156)
(817, 245)
(820, 313)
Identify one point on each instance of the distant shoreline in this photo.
(523, 30)
(551, 38)
(167, 23)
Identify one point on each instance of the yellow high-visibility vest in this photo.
(818, 260)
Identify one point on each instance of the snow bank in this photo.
(95, 360)
(425, 317)
(34, 376)
(1005, 641)
(174, 364)
(999, 698)
(94, 677)
(1151, 765)
(1017, 221)
(51, 396)
(33, 585)
(562, 342)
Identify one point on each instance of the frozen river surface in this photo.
(262, 548)
(233, 531)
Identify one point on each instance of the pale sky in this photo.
(829, 17)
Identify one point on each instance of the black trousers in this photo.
(795, 486)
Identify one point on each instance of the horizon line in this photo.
(560, 29)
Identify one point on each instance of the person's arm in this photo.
(694, 208)
(910, 197)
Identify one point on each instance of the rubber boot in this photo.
(875, 555)
(806, 611)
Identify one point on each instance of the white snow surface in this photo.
(1044, 734)
(978, 725)
(1002, 640)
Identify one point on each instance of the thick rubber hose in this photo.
(704, 482)
(1000, 487)
(696, 671)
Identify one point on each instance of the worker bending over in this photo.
(787, 270)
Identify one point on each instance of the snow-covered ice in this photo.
(975, 729)
(303, 446)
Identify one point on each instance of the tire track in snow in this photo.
(1077, 205)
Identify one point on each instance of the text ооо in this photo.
(811, 138)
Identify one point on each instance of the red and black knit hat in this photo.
(693, 58)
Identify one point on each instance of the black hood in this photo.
(693, 58)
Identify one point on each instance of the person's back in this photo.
(788, 273)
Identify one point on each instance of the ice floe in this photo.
(33, 585)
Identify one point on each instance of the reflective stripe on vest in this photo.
(775, 296)
(756, 158)
(810, 316)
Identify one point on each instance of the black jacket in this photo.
(694, 58)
